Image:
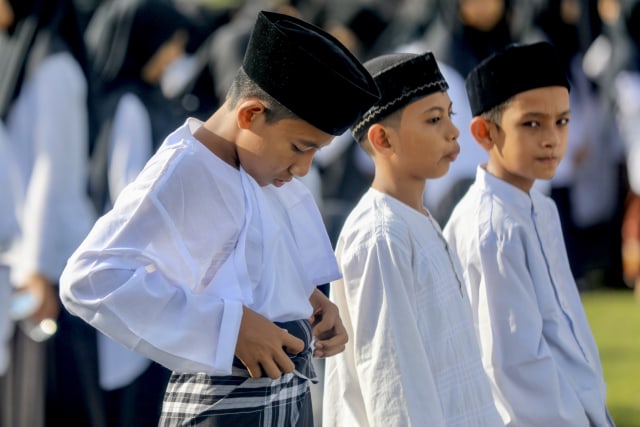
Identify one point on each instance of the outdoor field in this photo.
(614, 316)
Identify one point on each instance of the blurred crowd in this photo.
(90, 88)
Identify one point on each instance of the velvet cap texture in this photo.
(308, 71)
(512, 70)
(403, 78)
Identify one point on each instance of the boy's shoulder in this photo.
(481, 213)
(182, 165)
(487, 214)
(378, 215)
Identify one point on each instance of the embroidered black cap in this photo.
(308, 71)
(402, 78)
(512, 70)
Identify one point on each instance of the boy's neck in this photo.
(219, 137)
(520, 183)
(410, 192)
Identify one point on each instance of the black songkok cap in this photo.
(308, 71)
(515, 69)
(402, 78)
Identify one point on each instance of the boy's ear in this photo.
(482, 132)
(247, 111)
(379, 138)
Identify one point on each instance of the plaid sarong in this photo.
(239, 400)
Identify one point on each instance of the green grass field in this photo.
(614, 316)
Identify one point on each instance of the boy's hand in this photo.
(330, 334)
(261, 346)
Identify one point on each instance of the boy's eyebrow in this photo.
(434, 108)
(439, 108)
(538, 114)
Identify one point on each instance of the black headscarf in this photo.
(122, 36)
(40, 28)
(633, 28)
(462, 46)
(570, 39)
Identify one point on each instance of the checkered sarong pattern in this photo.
(239, 400)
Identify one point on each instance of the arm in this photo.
(532, 390)
(155, 272)
(393, 367)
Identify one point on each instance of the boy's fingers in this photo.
(292, 344)
(330, 347)
(272, 369)
(318, 329)
(333, 341)
(285, 365)
(255, 371)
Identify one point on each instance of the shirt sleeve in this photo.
(144, 275)
(532, 390)
(393, 371)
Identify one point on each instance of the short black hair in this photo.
(244, 87)
(494, 114)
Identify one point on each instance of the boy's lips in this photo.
(453, 155)
(547, 159)
(279, 182)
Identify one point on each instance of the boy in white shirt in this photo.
(209, 260)
(536, 344)
(412, 358)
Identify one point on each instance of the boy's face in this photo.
(532, 138)
(273, 153)
(427, 138)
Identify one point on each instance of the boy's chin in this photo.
(546, 176)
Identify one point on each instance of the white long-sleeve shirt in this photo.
(412, 358)
(8, 231)
(627, 85)
(47, 129)
(536, 343)
(190, 242)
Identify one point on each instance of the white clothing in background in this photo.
(130, 145)
(536, 342)
(8, 221)
(412, 358)
(53, 207)
(8, 231)
(627, 86)
(192, 240)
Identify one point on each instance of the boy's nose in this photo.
(454, 132)
(552, 138)
(302, 165)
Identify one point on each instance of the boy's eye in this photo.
(564, 121)
(451, 114)
(433, 120)
(296, 149)
(531, 124)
